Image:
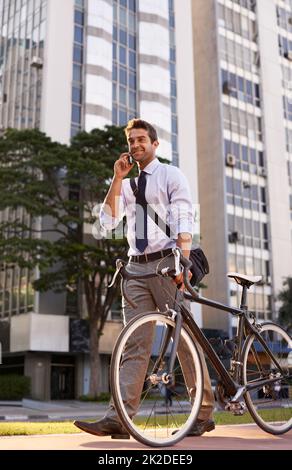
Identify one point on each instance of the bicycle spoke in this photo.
(270, 403)
(158, 412)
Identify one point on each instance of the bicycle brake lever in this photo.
(176, 253)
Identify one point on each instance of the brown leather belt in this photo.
(150, 256)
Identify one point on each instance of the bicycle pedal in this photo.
(237, 408)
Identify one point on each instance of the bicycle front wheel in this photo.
(150, 414)
(270, 404)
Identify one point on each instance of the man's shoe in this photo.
(104, 427)
(200, 427)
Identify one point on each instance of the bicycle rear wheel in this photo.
(153, 419)
(270, 405)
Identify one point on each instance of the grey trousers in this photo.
(151, 295)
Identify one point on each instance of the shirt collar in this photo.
(151, 167)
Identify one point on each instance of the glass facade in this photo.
(16, 292)
(124, 75)
(22, 42)
(125, 88)
(244, 150)
(284, 23)
(173, 87)
(78, 61)
(22, 25)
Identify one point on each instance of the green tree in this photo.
(58, 186)
(285, 311)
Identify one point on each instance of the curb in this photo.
(22, 417)
(48, 417)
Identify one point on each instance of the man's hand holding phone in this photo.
(130, 159)
(123, 166)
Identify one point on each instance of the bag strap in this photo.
(134, 186)
(151, 212)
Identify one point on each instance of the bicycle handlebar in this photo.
(186, 263)
(127, 276)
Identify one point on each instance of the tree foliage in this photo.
(48, 192)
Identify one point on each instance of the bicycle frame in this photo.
(233, 386)
(249, 383)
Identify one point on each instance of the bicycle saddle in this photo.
(244, 280)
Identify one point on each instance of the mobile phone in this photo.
(130, 159)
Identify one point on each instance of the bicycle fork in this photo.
(167, 376)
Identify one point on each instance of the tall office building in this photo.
(243, 72)
(98, 62)
(81, 64)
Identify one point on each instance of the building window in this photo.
(246, 195)
(76, 114)
(247, 158)
(76, 95)
(78, 52)
(242, 123)
(285, 47)
(238, 54)
(22, 38)
(238, 87)
(249, 4)
(79, 17)
(248, 232)
(173, 88)
(287, 105)
(78, 34)
(124, 61)
(239, 23)
(284, 19)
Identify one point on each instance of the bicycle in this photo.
(261, 361)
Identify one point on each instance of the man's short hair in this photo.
(140, 124)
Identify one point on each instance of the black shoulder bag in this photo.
(200, 265)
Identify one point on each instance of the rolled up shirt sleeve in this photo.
(108, 222)
(181, 216)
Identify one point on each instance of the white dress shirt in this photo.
(167, 191)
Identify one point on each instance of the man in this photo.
(165, 188)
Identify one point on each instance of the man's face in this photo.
(140, 145)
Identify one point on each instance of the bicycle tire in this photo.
(269, 405)
(154, 422)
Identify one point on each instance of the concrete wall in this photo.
(109, 336)
(34, 332)
(186, 109)
(153, 73)
(57, 70)
(37, 366)
(210, 158)
(99, 59)
(274, 132)
(56, 105)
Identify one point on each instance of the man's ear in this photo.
(156, 143)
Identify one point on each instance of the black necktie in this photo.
(141, 214)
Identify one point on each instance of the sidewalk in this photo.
(224, 437)
(235, 437)
(55, 410)
(33, 410)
